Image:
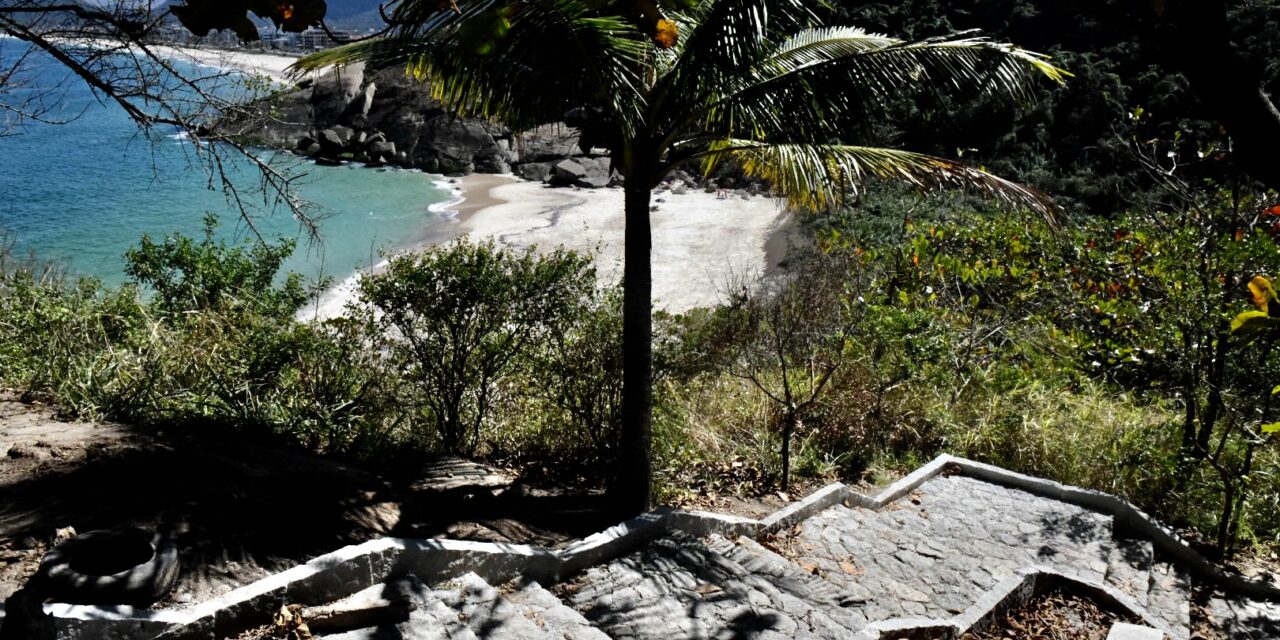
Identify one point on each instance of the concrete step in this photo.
(678, 587)
(1169, 598)
(936, 551)
(1129, 567)
(1244, 619)
(889, 559)
(431, 618)
(527, 611)
(787, 575)
(773, 572)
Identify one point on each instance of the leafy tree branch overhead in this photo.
(203, 16)
(1223, 79)
(109, 46)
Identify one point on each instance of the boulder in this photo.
(344, 134)
(331, 141)
(598, 182)
(535, 171)
(333, 93)
(546, 143)
(454, 146)
(384, 149)
(569, 170)
(362, 104)
(595, 167)
(338, 107)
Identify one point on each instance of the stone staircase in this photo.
(468, 608)
(682, 587)
(930, 556)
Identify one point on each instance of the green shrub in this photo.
(208, 275)
(458, 318)
(580, 369)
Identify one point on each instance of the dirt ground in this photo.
(240, 511)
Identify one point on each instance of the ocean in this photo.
(81, 193)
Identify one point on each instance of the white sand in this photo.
(272, 65)
(699, 241)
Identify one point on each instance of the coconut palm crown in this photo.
(760, 83)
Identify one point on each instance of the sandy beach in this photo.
(699, 242)
(271, 65)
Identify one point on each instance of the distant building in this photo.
(318, 39)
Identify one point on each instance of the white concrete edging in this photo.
(1127, 516)
(348, 570)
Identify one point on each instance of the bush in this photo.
(458, 318)
(582, 369)
(208, 275)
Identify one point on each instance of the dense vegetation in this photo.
(1079, 141)
(1100, 354)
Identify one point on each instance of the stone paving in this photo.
(934, 553)
(468, 608)
(1242, 619)
(928, 556)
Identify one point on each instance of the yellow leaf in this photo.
(1251, 322)
(1274, 427)
(1262, 291)
(666, 34)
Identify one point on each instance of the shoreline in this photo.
(477, 193)
(701, 244)
(468, 195)
(272, 65)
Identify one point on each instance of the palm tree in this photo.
(755, 82)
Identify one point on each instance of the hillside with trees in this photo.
(1050, 245)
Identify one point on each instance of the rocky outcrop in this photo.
(382, 117)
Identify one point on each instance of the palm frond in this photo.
(813, 78)
(726, 36)
(555, 55)
(815, 177)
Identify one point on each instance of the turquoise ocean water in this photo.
(83, 192)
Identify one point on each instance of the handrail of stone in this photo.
(343, 572)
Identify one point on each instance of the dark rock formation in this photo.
(535, 171)
(382, 117)
(568, 170)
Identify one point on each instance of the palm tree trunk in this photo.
(635, 471)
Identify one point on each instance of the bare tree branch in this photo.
(109, 50)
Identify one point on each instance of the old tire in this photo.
(129, 566)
